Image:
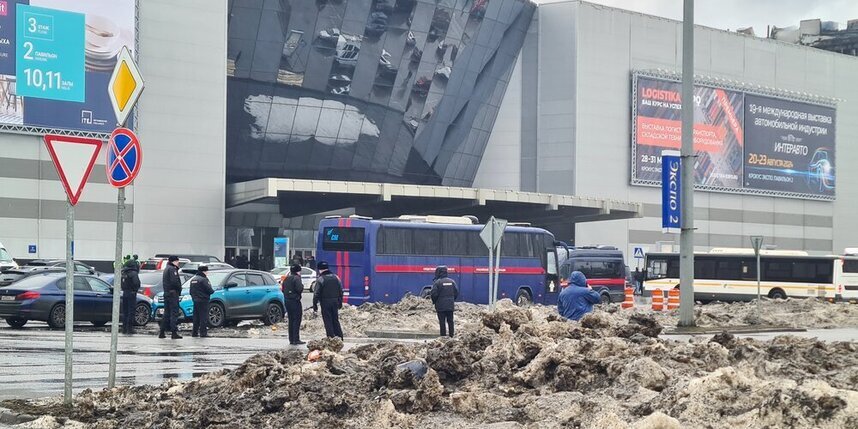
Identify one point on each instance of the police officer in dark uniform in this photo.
(172, 290)
(444, 294)
(292, 289)
(201, 292)
(329, 293)
(130, 284)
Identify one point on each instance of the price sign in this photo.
(50, 54)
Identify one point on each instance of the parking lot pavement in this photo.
(32, 359)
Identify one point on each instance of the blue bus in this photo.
(384, 260)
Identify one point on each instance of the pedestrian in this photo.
(130, 284)
(636, 277)
(329, 294)
(444, 295)
(172, 291)
(311, 262)
(292, 289)
(201, 292)
(578, 298)
(297, 259)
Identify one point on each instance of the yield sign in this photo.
(124, 156)
(493, 231)
(73, 158)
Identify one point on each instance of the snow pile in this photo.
(511, 368)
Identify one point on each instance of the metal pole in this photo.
(117, 288)
(497, 271)
(491, 265)
(69, 290)
(686, 236)
(758, 278)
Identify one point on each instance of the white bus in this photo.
(731, 275)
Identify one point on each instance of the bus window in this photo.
(850, 266)
(427, 242)
(552, 262)
(657, 269)
(455, 242)
(704, 268)
(728, 270)
(395, 241)
(341, 239)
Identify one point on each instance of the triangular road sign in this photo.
(73, 158)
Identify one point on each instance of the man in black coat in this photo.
(201, 292)
(172, 291)
(444, 294)
(130, 283)
(292, 289)
(329, 293)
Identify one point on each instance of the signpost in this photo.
(73, 157)
(124, 158)
(491, 235)
(757, 242)
(686, 235)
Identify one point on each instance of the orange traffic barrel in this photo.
(673, 299)
(657, 300)
(629, 302)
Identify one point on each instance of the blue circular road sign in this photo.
(124, 157)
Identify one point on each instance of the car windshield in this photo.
(216, 278)
(150, 278)
(33, 282)
(280, 270)
(4, 255)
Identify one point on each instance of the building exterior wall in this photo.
(586, 55)
(177, 202)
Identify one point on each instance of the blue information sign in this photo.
(671, 186)
(31, 249)
(51, 58)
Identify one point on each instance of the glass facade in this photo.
(401, 91)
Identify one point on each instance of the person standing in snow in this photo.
(444, 293)
(329, 293)
(578, 298)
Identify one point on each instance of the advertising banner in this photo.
(790, 146)
(742, 141)
(56, 57)
(281, 252)
(671, 188)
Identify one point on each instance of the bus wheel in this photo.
(523, 298)
(604, 298)
(425, 293)
(777, 294)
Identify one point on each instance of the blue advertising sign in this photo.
(50, 60)
(281, 251)
(671, 186)
(7, 37)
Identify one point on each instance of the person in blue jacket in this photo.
(578, 298)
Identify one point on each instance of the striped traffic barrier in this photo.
(657, 300)
(673, 299)
(629, 302)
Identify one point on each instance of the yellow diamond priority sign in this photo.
(125, 86)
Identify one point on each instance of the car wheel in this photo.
(141, 314)
(604, 298)
(99, 323)
(312, 287)
(57, 317)
(777, 294)
(523, 298)
(273, 314)
(15, 322)
(217, 315)
(426, 293)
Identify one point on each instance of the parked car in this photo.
(150, 281)
(6, 260)
(192, 258)
(12, 275)
(79, 267)
(42, 297)
(192, 267)
(239, 295)
(308, 276)
(160, 263)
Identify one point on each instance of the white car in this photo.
(8, 263)
(308, 276)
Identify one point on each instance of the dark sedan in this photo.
(11, 276)
(42, 298)
(151, 281)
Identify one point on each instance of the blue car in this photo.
(42, 297)
(239, 295)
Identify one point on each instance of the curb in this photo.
(402, 335)
(730, 330)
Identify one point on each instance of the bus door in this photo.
(846, 283)
(551, 284)
(344, 249)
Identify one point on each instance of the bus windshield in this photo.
(343, 239)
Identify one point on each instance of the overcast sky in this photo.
(733, 14)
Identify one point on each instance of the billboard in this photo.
(56, 57)
(742, 142)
